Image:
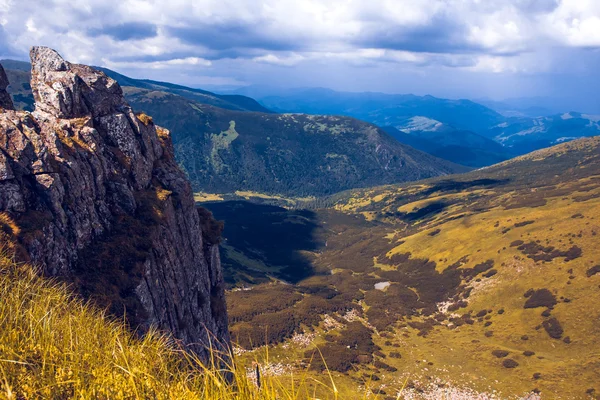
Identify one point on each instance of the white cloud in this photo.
(186, 37)
(284, 60)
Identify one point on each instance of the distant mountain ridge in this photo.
(232, 147)
(443, 141)
(224, 151)
(385, 109)
(519, 125)
(228, 101)
(529, 134)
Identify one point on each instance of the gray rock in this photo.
(101, 202)
(5, 100)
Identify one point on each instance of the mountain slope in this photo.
(224, 150)
(443, 141)
(480, 285)
(230, 102)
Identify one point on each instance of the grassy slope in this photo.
(551, 196)
(54, 346)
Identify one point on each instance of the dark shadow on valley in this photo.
(428, 211)
(450, 185)
(267, 234)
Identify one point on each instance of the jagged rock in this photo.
(5, 100)
(102, 203)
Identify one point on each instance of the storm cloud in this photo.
(126, 31)
(467, 47)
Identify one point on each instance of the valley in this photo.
(376, 257)
(300, 200)
(477, 284)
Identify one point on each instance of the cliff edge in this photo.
(100, 202)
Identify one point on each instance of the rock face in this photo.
(5, 100)
(101, 203)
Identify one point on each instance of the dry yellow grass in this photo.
(55, 346)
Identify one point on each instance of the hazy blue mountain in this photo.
(539, 106)
(383, 109)
(522, 135)
(459, 146)
(517, 108)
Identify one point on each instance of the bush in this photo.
(500, 353)
(211, 228)
(510, 363)
(553, 328)
(540, 298)
(339, 358)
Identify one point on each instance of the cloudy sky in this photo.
(452, 48)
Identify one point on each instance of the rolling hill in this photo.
(480, 285)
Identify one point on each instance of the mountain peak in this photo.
(47, 58)
(66, 90)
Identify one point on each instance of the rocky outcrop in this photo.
(5, 100)
(100, 202)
